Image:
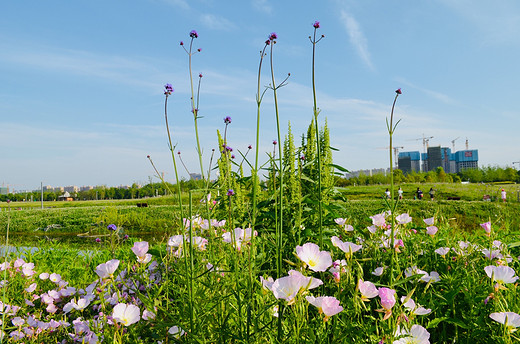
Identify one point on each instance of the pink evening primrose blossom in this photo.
(429, 221)
(238, 237)
(378, 271)
(54, 277)
(510, 320)
(431, 230)
(106, 270)
(140, 249)
(378, 220)
(311, 255)
(347, 247)
(387, 297)
(443, 251)
(126, 314)
(328, 305)
(487, 227)
(416, 335)
(341, 221)
(367, 290)
(267, 284)
(501, 274)
(288, 287)
(403, 219)
(415, 309)
(176, 332)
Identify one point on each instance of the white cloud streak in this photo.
(357, 38)
(214, 22)
(262, 6)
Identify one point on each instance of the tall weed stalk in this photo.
(392, 203)
(316, 113)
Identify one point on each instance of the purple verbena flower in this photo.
(249, 147)
(227, 119)
(275, 142)
(200, 75)
(98, 240)
(230, 192)
(316, 24)
(168, 89)
(273, 36)
(398, 91)
(112, 227)
(194, 34)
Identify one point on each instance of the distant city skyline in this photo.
(81, 102)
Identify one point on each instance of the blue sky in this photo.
(81, 99)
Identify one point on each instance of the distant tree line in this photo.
(488, 174)
(103, 192)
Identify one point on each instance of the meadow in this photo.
(289, 258)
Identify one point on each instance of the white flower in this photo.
(510, 319)
(416, 335)
(378, 271)
(501, 274)
(126, 314)
(310, 254)
(176, 332)
(443, 251)
(107, 269)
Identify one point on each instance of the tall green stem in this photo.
(279, 229)
(316, 112)
(391, 128)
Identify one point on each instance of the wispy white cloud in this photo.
(433, 94)
(357, 38)
(214, 22)
(131, 71)
(263, 6)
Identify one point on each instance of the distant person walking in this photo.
(400, 193)
(503, 195)
(419, 194)
(387, 194)
(432, 194)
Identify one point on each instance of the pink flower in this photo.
(140, 249)
(347, 247)
(310, 254)
(288, 287)
(107, 269)
(429, 221)
(378, 220)
(387, 297)
(403, 219)
(443, 251)
(316, 24)
(431, 230)
(487, 227)
(327, 305)
(367, 289)
(398, 91)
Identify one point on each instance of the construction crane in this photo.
(467, 144)
(453, 143)
(425, 141)
(396, 154)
